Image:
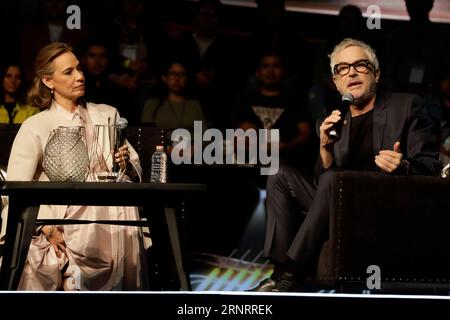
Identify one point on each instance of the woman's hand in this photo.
(56, 238)
(122, 157)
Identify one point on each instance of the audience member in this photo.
(438, 103)
(130, 35)
(274, 30)
(49, 27)
(13, 107)
(96, 61)
(174, 109)
(270, 106)
(216, 60)
(416, 51)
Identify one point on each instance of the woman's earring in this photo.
(51, 91)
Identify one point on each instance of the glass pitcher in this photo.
(65, 155)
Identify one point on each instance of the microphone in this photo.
(121, 124)
(335, 131)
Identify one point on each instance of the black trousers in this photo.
(298, 214)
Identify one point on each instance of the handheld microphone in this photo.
(335, 131)
(122, 124)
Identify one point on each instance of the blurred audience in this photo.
(13, 107)
(96, 61)
(272, 106)
(174, 108)
(216, 58)
(274, 30)
(130, 36)
(415, 52)
(438, 104)
(49, 27)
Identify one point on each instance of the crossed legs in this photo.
(297, 221)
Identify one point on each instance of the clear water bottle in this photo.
(159, 166)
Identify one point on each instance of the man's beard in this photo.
(362, 101)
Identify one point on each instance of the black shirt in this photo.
(361, 155)
(281, 112)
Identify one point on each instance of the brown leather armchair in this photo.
(400, 224)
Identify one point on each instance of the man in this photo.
(96, 61)
(274, 29)
(270, 106)
(416, 50)
(388, 133)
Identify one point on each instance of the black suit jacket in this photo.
(396, 117)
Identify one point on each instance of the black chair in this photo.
(7, 134)
(397, 223)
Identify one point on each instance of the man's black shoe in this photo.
(267, 285)
(289, 282)
(286, 286)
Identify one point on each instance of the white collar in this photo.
(70, 116)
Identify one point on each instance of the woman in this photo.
(103, 257)
(173, 110)
(13, 108)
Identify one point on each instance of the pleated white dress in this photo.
(98, 256)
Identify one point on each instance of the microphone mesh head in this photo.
(348, 97)
(122, 123)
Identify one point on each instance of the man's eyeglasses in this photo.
(361, 66)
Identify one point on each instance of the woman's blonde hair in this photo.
(39, 94)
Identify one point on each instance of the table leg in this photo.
(19, 232)
(174, 236)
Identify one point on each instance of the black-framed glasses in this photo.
(361, 66)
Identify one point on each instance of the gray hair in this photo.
(348, 42)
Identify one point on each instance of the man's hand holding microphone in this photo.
(330, 130)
